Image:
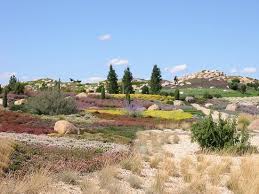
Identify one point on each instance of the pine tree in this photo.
(5, 99)
(177, 94)
(103, 93)
(12, 82)
(145, 90)
(155, 81)
(112, 81)
(127, 81)
(1, 89)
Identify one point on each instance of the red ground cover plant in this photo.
(23, 123)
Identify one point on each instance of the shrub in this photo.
(218, 96)
(177, 94)
(207, 95)
(233, 85)
(145, 90)
(243, 88)
(211, 135)
(51, 103)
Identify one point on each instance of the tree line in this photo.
(126, 87)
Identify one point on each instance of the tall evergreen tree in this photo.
(127, 82)
(112, 82)
(5, 99)
(12, 82)
(155, 81)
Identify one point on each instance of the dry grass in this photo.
(246, 178)
(135, 181)
(33, 183)
(185, 166)
(89, 187)
(68, 177)
(6, 150)
(176, 139)
(107, 176)
(169, 166)
(158, 186)
(133, 163)
(155, 160)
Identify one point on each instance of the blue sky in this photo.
(65, 38)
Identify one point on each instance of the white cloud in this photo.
(118, 61)
(233, 70)
(95, 79)
(176, 69)
(249, 70)
(105, 37)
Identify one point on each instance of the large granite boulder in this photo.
(20, 102)
(190, 99)
(64, 127)
(154, 107)
(178, 103)
(231, 107)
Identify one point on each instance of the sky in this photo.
(80, 38)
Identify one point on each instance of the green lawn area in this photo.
(198, 92)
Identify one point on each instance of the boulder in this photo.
(178, 103)
(254, 125)
(20, 102)
(190, 99)
(231, 107)
(154, 107)
(81, 95)
(64, 127)
(207, 105)
(1, 101)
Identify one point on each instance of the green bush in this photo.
(51, 102)
(177, 94)
(145, 90)
(243, 88)
(220, 135)
(207, 95)
(218, 96)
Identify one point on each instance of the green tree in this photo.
(1, 89)
(243, 88)
(12, 82)
(5, 98)
(103, 93)
(19, 88)
(127, 81)
(155, 81)
(145, 90)
(112, 81)
(177, 94)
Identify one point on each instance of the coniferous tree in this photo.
(1, 89)
(103, 93)
(127, 81)
(5, 103)
(12, 82)
(112, 81)
(155, 81)
(177, 94)
(145, 90)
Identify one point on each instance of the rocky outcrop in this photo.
(154, 107)
(178, 103)
(254, 126)
(232, 107)
(20, 102)
(81, 95)
(64, 127)
(190, 99)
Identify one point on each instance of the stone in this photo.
(207, 105)
(1, 101)
(81, 95)
(231, 107)
(20, 102)
(190, 99)
(64, 127)
(154, 107)
(254, 125)
(178, 103)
